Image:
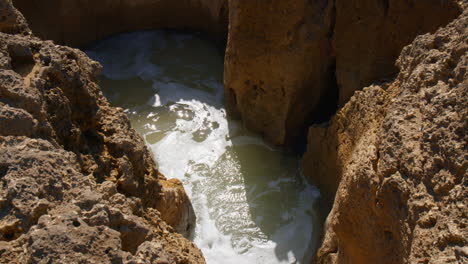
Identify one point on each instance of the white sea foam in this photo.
(252, 205)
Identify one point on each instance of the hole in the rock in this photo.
(22, 60)
(76, 223)
(251, 194)
(3, 170)
(9, 235)
(52, 81)
(329, 101)
(93, 141)
(386, 5)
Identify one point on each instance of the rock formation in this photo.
(397, 155)
(283, 58)
(78, 22)
(278, 53)
(78, 184)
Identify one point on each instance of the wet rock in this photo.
(175, 207)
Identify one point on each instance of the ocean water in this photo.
(250, 199)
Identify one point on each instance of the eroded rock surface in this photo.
(283, 58)
(77, 184)
(397, 155)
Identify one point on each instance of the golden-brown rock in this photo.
(278, 62)
(283, 58)
(78, 183)
(397, 155)
(175, 207)
(369, 36)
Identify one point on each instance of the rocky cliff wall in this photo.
(397, 155)
(283, 58)
(78, 22)
(286, 61)
(77, 184)
(278, 63)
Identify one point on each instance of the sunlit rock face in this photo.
(396, 154)
(277, 65)
(78, 183)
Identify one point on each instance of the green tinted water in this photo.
(251, 203)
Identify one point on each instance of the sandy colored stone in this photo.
(397, 155)
(176, 208)
(289, 63)
(369, 36)
(78, 183)
(271, 76)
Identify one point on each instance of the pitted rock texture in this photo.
(283, 58)
(77, 184)
(397, 155)
(11, 20)
(78, 22)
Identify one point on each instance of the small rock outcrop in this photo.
(396, 155)
(77, 184)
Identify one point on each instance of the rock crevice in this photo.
(279, 55)
(396, 156)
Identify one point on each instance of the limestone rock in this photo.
(286, 61)
(369, 36)
(396, 153)
(175, 207)
(77, 183)
(11, 20)
(283, 58)
(277, 64)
